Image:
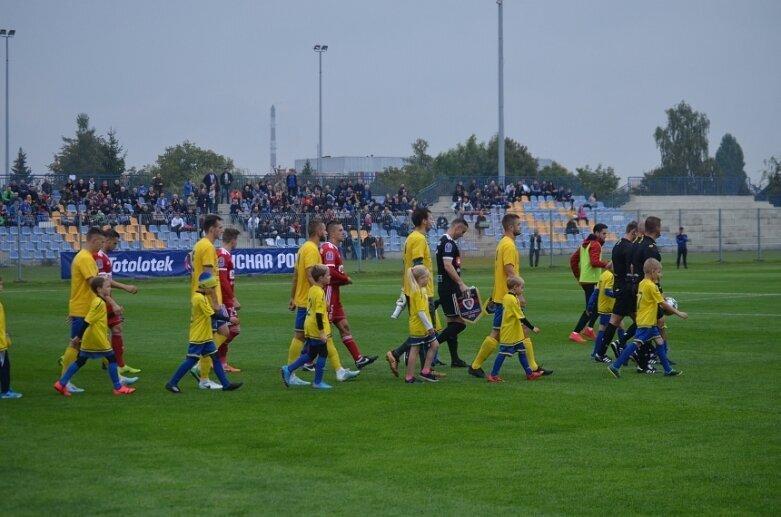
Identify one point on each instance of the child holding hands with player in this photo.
(512, 338)
(421, 327)
(649, 300)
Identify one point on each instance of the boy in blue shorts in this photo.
(649, 300)
(202, 344)
(93, 340)
(317, 331)
(512, 338)
(602, 301)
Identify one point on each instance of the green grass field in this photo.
(578, 442)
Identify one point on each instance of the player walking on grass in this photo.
(586, 264)
(421, 329)
(203, 259)
(205, 311)
(506, 266)
(115, 320)
(416, 253)
(83, 270)
(5, 361)
(450, 286)
(649, 301)
(230, 238)
(92, 336)
(317, 331)
(512, 338)
(623, 287)
(332, 258)
(602, 301)
(308, 256)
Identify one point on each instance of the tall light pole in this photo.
(500, 139)
(7, 34)
(320, 49)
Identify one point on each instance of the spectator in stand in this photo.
(568, 198)
(253, 223)
(582, 215)
(46, 187)
(481, 222)
(291, 182)
(442, 223)
(158, 184)
(177, 223)
(188, 188)
(380, 248)
(536, 190)
(210, 180)
(203, 201)
(592, 201)
(226, 180)
(162, 202)
(572, 227)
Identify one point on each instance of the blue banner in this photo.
(163, 263)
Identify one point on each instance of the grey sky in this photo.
(586, 82)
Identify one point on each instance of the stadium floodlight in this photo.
(7, 34)
(320, 49)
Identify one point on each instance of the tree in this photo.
(729, 159)
(20, 170)
(114, 155)
(307, 171)
(601, 181)
(188, 161)
(517, 159)
(684, 144)
(83, 154)
(417, 173)
(771, 178)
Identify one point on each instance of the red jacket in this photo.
(594, 253)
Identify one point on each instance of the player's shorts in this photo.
(646, 334)
(498, 316)
(219, 323)
(626, 301)
(509, 350)
(201, 349)
(315, 348)
(76, 323)
(336, 314)
(604, 319)
(96, 355)
(300, 319)
(421, 340)
(447, 301)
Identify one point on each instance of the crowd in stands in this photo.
(471, 199)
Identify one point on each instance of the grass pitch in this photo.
(578, 442)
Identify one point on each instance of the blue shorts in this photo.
(201, 349)
(300, 318)
(219, 323)
(96, 355)
(424, 340)
(510, 350)
(76, 324)
(646, 334)
(498, 316)
(604, 319)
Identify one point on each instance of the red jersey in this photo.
(104, 264)
(333, 259)
(227, 276)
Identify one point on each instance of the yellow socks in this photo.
(68, 358)
(527, 343)
(486, 349)
(294, 352)
(333, 355)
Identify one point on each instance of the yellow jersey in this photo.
(418, 301)
(511, 332)
(83, 269)
(95, 338)
(5, 341)
(308, 255)
(201, 319)
(604, 302)
(415, 248)
(316, 305)
(506, 254)
(204, 254)
(648, 299)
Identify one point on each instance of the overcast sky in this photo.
(586, 82)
